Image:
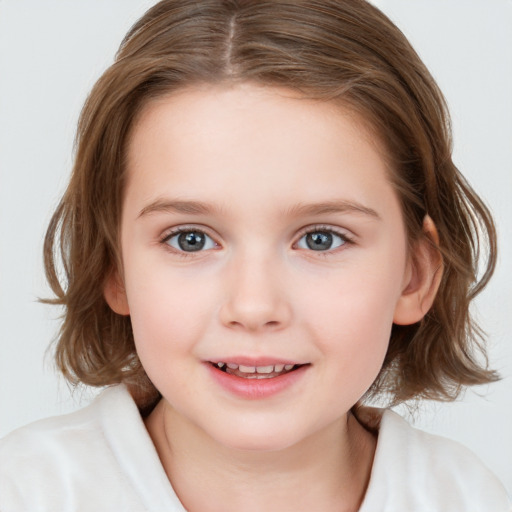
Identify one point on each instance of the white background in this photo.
(52, 51)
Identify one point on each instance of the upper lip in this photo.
(252, 361)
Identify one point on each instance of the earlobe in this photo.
(115, 294)
(423, 279)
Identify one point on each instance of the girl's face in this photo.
(259, 232)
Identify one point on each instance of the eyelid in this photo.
(187, 228)
(346, 235)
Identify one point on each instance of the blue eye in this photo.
(190, 241)
(321, 240)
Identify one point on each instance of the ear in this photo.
(115, 294)
(422, 279)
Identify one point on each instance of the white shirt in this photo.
(101, 458)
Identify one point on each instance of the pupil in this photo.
(319, 241)
(191, 241)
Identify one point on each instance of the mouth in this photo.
(255, 372)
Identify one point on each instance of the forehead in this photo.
(266, 142)
(191, 110)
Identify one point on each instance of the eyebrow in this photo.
(202, 208)
(177, 206)
(335, 206)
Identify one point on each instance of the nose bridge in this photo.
(255, 293)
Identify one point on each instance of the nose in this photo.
(255, 297)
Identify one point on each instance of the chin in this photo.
(257, 438)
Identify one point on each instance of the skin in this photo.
(255, 168)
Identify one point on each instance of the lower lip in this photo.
(256, 389)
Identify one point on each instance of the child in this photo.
(264, 230)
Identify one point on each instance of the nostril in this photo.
(272, 324)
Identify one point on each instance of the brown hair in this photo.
(333, 50)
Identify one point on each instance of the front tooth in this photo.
(220, 365)
(278, 367)
(232, 366)
(247, 369)
(288, 366)
(264, 369)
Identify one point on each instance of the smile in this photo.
(256, 372)
(257, 380)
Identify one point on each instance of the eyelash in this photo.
(176, 232)
(346, 239)
(344, 236)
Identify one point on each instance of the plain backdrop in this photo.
(51, 53)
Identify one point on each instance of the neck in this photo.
(327, 471)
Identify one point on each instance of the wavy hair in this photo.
(343, 51)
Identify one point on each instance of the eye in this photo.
(321, 240)
(192, 240)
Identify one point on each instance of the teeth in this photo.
(247, 369)
(264, 369)
(256, 369)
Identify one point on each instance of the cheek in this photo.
(356, 330)
(351, 321)
(169, 313)
(359, 305)
(357, 344)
